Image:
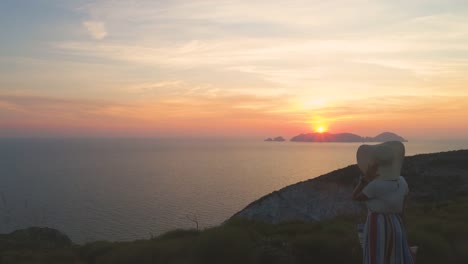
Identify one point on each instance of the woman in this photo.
(385, 192)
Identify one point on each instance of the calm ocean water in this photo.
(124, 189)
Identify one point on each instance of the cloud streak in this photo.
(230, 114)
(96, 29)
(169, 66)
(298, 46)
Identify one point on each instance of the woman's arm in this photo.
(370, 174)
(357, 193)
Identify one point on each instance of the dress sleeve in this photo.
(370, 190)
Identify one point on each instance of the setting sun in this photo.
(321, 129)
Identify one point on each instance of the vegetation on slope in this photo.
(440, 230)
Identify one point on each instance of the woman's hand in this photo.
(371, 172)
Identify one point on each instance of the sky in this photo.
(233, 68)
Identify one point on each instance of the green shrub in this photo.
(433, 248)
(90, 251)
(127, 253)
(323, 248)
(179, 233)
(224, 245)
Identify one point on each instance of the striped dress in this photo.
(385, 240)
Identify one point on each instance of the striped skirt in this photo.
(385, 240)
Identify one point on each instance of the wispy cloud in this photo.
(232, 114)
(195, 114)
(185, 64)
(96, 29)
(298, 46)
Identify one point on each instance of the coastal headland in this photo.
(432, 178)
(313, 221)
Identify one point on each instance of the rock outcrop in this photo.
(277, 139)
(35, 238)
(431, 177)
(388, 136)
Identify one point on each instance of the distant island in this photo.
(278, 139)
(346, 137)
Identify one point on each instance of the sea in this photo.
(125, 189)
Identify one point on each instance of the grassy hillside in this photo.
(440, 231)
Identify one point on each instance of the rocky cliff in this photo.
(431, 177)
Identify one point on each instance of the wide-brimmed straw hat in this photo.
(389, 156)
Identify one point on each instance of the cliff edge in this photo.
(432, 177)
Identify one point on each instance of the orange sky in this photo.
(242, 69)
(234, 116)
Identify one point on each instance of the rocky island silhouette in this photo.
(346, 137)
(340, 137)
(276, 139)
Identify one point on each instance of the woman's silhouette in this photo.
(384, 191)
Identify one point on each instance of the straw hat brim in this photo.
(389, 155)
